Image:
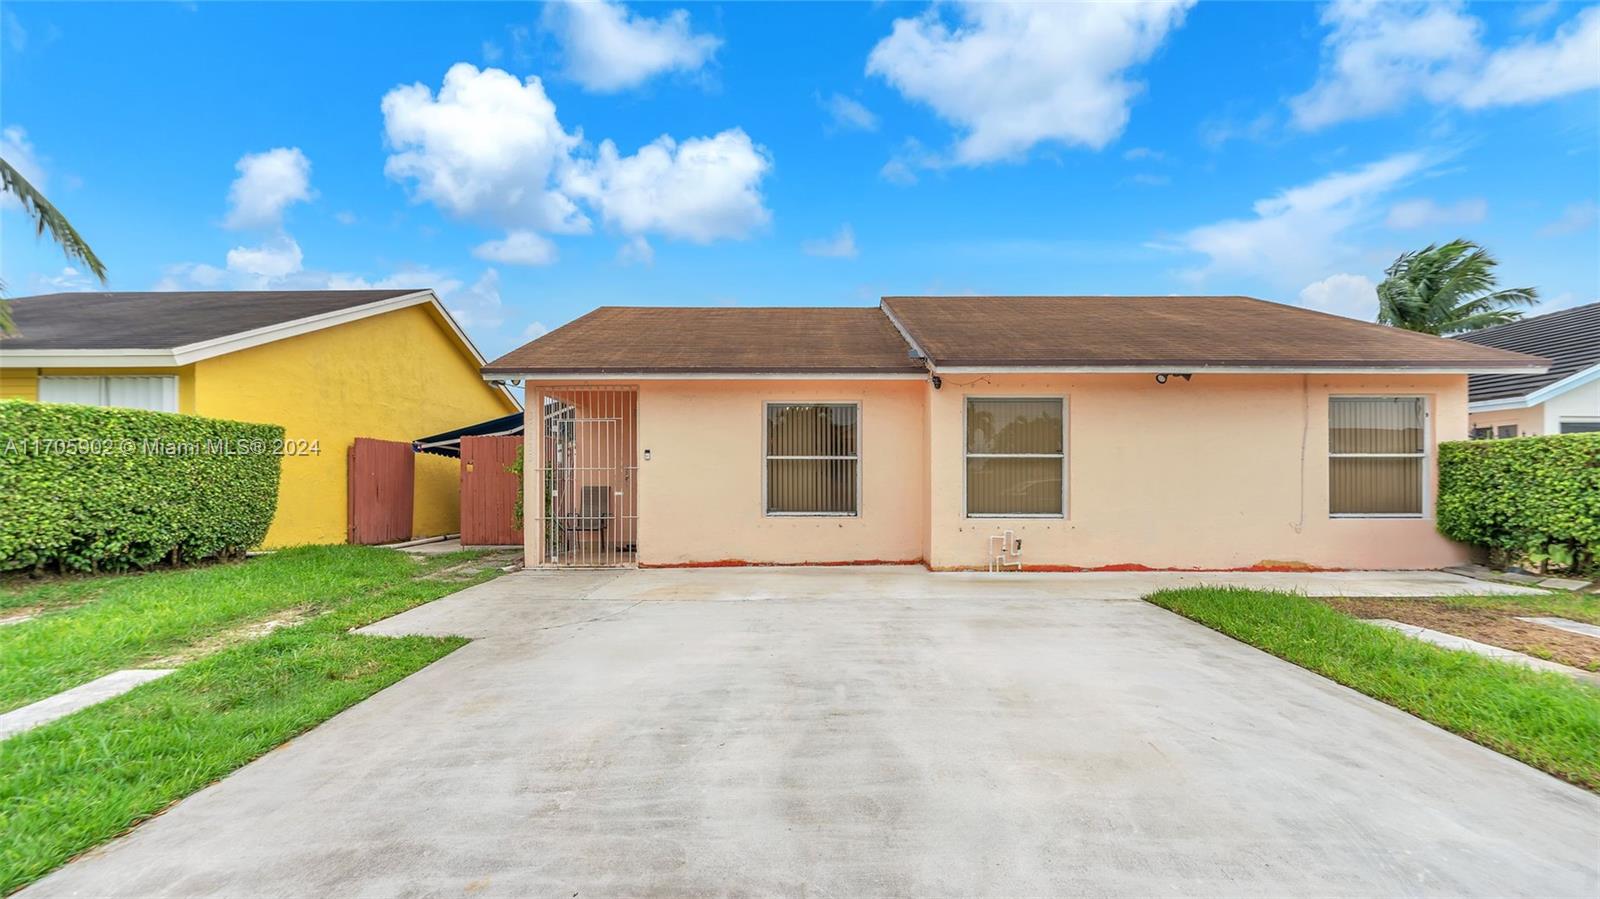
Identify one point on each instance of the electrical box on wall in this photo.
(647, 455)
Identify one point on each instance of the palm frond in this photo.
(47, 218)
(1448, 288)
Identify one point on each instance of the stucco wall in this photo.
(1578, 403)
(395, 376)
(699, 495)
(1529, 422)
(1205, 474)
(1199, 474)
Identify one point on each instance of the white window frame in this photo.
(766, 457)
(1426, 456)
(966, 411)
(169, 388)
(1576, 420)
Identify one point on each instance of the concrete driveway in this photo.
(859, 732)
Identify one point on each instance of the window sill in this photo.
(1378, 516)
(812, 515)
(1019, 515)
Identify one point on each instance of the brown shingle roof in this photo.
(1180, 333)
(677, 340)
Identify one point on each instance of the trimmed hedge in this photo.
(1529, 497)
(87, 488)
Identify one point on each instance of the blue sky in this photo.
(532, 162)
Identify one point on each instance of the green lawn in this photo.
(1574, 606)
(1546, 720)
(79, 781)
(87, 628)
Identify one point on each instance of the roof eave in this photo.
(663, 374)
(1537, 397)
(1176, 366)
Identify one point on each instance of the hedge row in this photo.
(1533, 498)
(86, 488)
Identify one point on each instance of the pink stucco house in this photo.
(1086, 432)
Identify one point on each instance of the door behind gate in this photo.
(588, 516)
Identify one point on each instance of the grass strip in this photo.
(1572, 606)
(1544, 719)
(86, 778)
(131, 620)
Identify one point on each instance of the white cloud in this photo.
(703, 189)
(277, 258)
(607, 47)
(16, 35)
(535, 330)
(1538, 70)
(1353, 296)
(846, 114)
(1575, 218)
(490, 147)
(1425, 213)
(16, 149)
(518, 248)
(492, 52)
(637, 251)
(268, 183)
(840, 246)
(1532, 15)
(898, 171)
(486, 147)
(345, 217)
(1010, 75)
(1296, 236)
(1380, 56)
(1136, 153)
(68, 280)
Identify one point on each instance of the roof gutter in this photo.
(1170, 367)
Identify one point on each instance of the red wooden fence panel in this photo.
(489, 491)
(381, 483)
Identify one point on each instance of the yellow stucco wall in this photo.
(395, 376)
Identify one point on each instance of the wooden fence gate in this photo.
(381, 482)
(489, 491)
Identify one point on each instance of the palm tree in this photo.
(1448, 289)
(45, 217)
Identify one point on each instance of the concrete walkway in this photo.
(857, 733)
(1451, 641)
(80, 697)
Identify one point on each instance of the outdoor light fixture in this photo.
(937, 383)
(1162, 377)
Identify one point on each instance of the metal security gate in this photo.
(587, 456)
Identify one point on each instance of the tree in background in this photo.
(1448, 289)
(45, 217)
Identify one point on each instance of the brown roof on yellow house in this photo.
(726, 340)
(1176, 332)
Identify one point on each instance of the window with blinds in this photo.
(1377, 455)
(813, 459)
(1015, 457)
(158, 393)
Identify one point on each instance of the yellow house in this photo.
(330, 366)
